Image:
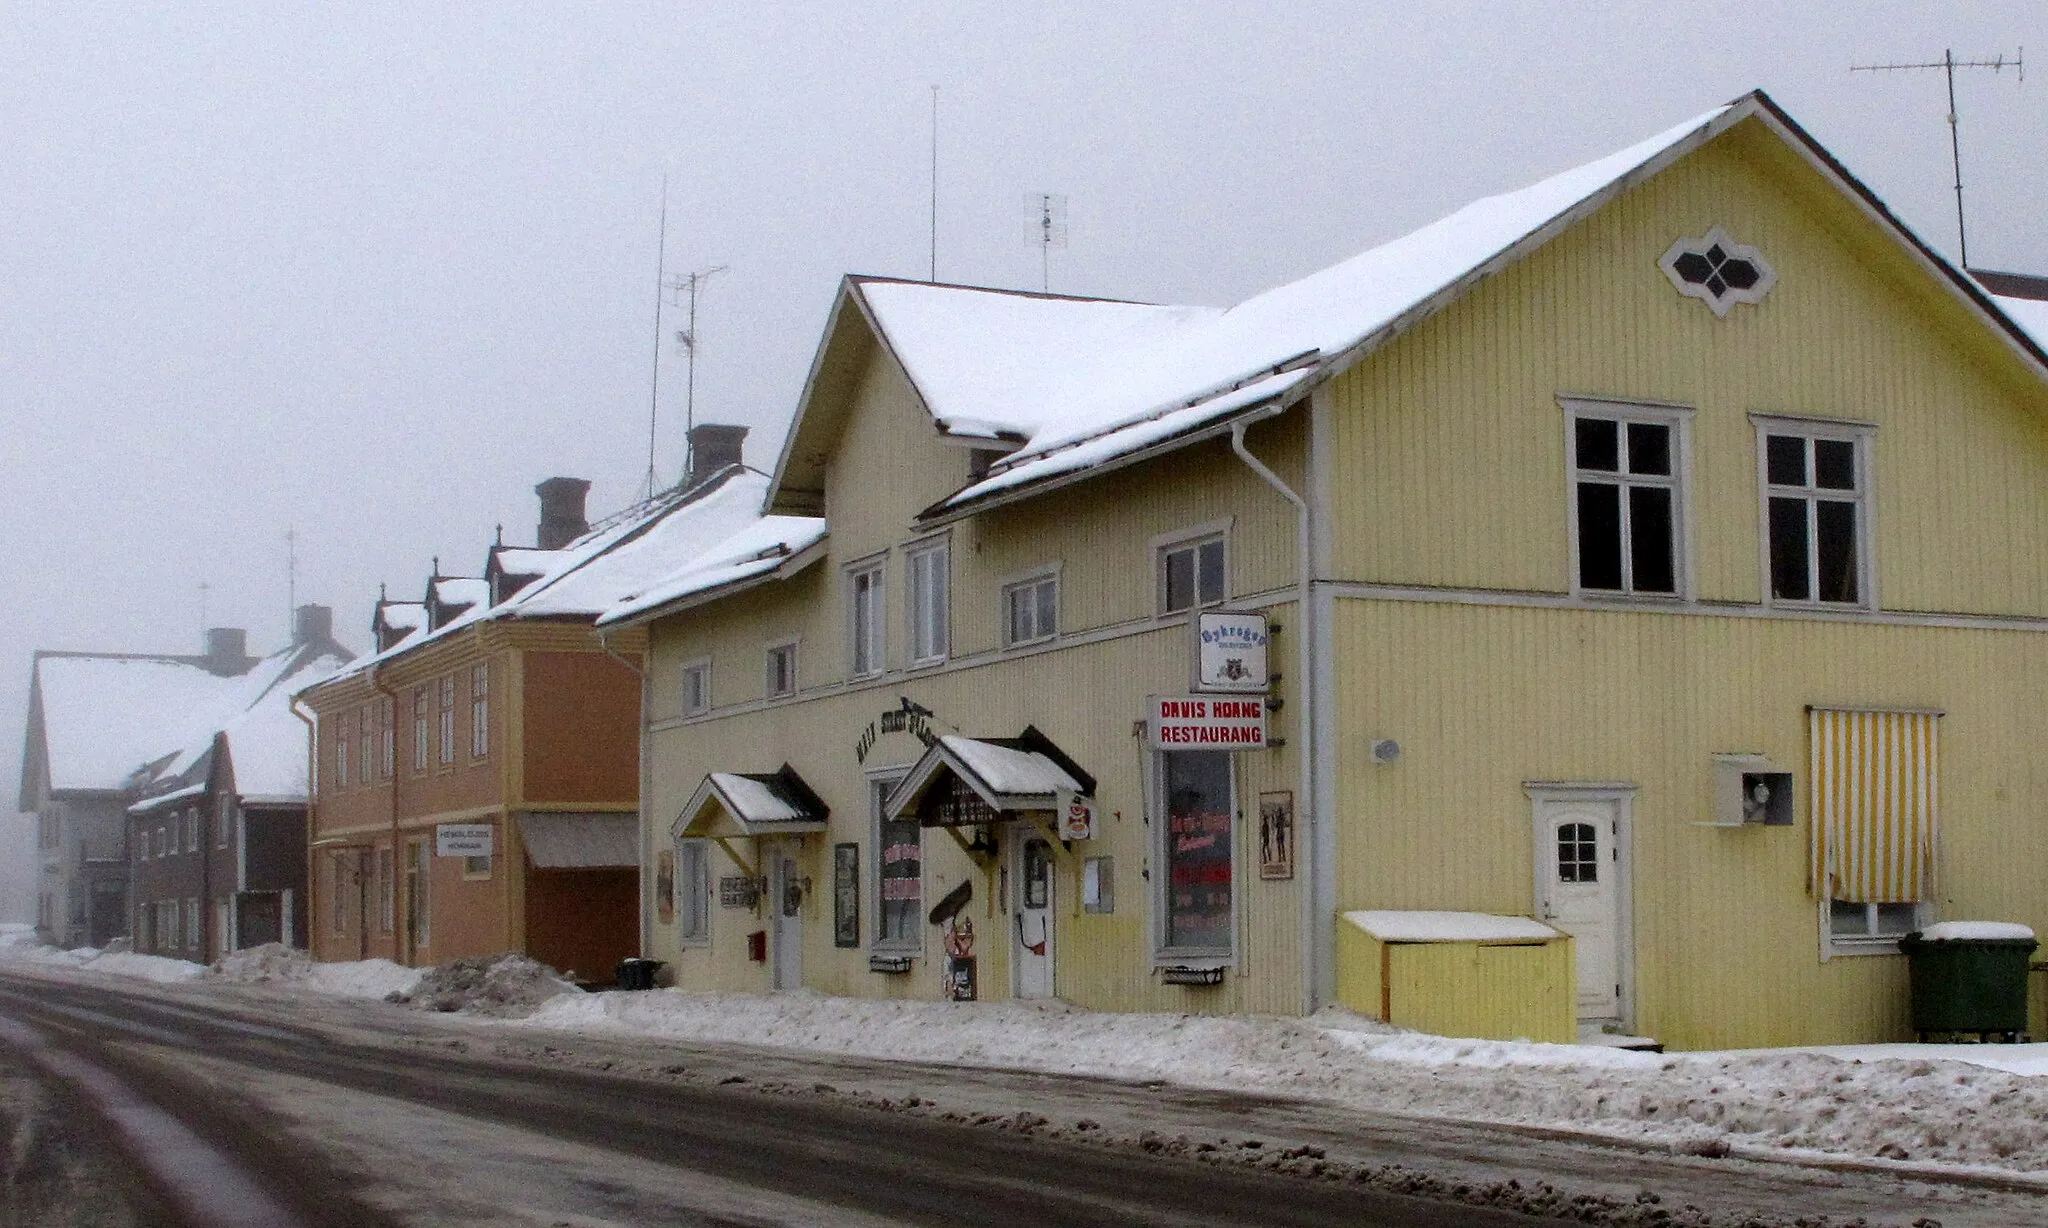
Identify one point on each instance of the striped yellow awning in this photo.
(1876, 797)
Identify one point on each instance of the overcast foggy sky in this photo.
(374, 270)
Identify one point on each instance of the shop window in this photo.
(781, 678)
(899, 875)
(1816, 500)
(480, 713)
(420, 734)
(1196, 904)
(865, 618)
(1191, 574)
(448, 719)
(693, 892)
(1031, 610)
(1627, 498)
(930, 604)
(696, 688)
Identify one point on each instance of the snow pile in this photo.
(17, 934)
(510, 984)
(276, 964)
(116, 963)
(1932, 1105)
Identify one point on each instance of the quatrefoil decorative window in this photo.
(1718, 271)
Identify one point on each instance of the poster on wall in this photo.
(665, 886)
(1276, 834)
(846, 895)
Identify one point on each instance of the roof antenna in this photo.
(1047, 212)
(1948, 63)
(686, 337)
(654, 381)
(291, 582)
(935, 183)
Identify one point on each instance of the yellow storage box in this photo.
(1459, 974)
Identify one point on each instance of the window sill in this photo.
(1031, 643)
(1837, 946)
(927, 663)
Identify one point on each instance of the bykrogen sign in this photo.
(1206, 722)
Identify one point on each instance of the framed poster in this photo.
(665, 886)
(1276, 834)
(846, 895)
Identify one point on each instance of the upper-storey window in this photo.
(341, 737)
(480, 710)
(1031, 610)
(865, 619)
(930, 607)
(387, 730)
(1627, 468)
(420, 730)
(368, 732)
(448, 719)
(1816, 493)
(1191, 573)
(696, 683)
(781, 679)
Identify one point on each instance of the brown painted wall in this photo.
(582, 729)
(584, 921)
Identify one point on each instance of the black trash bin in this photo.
(1970, 978)
(636, 973)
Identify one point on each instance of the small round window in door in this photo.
(1037, 874)
(1578, 855)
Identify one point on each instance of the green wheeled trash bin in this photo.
(1970, 978)
(636, 973)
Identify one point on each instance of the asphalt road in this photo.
(182, 1099)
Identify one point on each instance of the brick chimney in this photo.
(713, 446)
(227, 651)
(561, 512)
(312, 624)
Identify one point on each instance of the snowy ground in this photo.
(1946, 1108)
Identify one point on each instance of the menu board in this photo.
(1200, 817)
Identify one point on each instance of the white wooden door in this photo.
(1579, 891)
(1033, 919)
(786, 918)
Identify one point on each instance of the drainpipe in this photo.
(604, 641)
(1309, 821)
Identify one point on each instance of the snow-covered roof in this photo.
(623, 555)
(2030, 314)
(105, 717)
(525, 560)
(168, 799)
(460, 590)
(403, 615)
(1389, 925)
(1010, 774)
(750, 804)
(266, 741)
(771, 547)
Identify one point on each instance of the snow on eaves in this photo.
(2030, 314)
(1105, 380)
(753, 553)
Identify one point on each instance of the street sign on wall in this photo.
(463, 839)
(1230, 651)
(1206, 722)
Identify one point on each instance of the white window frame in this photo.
(191, 829)
(422, 732)
(1162, 954)
(387, 756)
(1029, 582)
(867, 647)
(1833, 945)
(223, 820)
(447, 719)
(192, 926)
(366, 739)
(694, 675)
(1863, 435)
(693, 893)
(781, 648)
(880, 785)
(1190, 537)
(341, 740)
(928, 600)
(480, 710)
(1679, 419)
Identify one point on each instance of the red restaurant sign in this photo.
(1207, 722)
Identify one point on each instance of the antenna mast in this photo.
(654, 381)
(291, 582)
(690, 284)
(935, 183)
(1948, 63)
(1046, 214)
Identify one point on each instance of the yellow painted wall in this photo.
(1448, 446)
(1727, 938)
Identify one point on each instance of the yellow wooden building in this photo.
(1676, 543)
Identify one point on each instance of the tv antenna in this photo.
(654, 380)
(935, 184)
(291, 582)
(1046, 216)
(1948, 63)
(690, 284)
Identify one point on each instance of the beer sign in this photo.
(1230, 652)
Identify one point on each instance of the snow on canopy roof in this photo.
(1389, 925)
(768, 545)
(1016, 773)
(1059, 373)
(106, 717)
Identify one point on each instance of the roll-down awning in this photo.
(564, 840)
